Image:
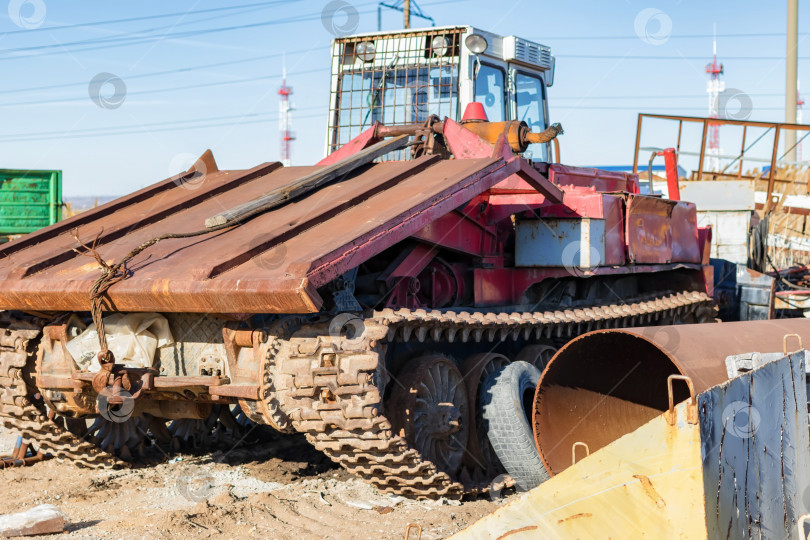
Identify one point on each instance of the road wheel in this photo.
(428, 406)
(507, 396)
(538, 355)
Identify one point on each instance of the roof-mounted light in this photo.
(476, 43)
(365, 51)
(440, 45)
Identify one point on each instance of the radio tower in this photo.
(714, 87)
(285, 119)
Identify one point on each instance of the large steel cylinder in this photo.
(607, 383)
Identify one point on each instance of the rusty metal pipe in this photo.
(9, 462)
(548, 134)
(607, 383)
(517, 132)
(382, 131)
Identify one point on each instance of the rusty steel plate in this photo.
(272, 263)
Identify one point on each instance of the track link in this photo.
(18, 343)
(332, 386)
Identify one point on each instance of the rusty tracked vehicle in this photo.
(360, 301)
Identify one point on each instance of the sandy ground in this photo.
(283, 489)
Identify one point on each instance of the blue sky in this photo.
(227, 100)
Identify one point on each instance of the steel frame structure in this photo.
(777, 127)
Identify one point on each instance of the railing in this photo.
(776, 127)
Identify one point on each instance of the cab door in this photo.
(490, 89)
(527, 100)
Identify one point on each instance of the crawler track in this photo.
(332, 386)
(18, 343)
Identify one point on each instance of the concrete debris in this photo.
(42, 519)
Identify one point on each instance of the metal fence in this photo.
(732, 161)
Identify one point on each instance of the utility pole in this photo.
(407, 7)
(791, 91)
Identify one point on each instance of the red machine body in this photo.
(643, 234)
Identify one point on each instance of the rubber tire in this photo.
(506, 422)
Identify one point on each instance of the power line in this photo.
(150, 124)
(61, 48)
(169, 71)
(125, 41)
(130, 38)
(674, 36)
(147, 17)
(69, 134)
(158, 90)
(138, 35)
(657, 96)
(653, 108)
(638, 57)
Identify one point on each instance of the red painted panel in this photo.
(577, 202)
(458, 233)
(613, 210)
(708, 279)
(705, 242)
(364, 140)
(493, 287)
(463, 143)
(505, 286)
(564, 175)
(685, 244)
(513, 184)
(649, 229)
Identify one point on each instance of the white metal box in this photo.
(560, 242)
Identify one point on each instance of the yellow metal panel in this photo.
(658, 494)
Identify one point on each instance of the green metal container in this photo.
(29, 200)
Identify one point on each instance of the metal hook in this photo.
(413, 526)
(574, 451)
(800, 524)
(691, 408)
(785, 341)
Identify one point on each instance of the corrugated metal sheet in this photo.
(272, 263)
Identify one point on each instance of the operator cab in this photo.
(404, 77)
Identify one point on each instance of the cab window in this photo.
(489, 90)
(529, 90)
